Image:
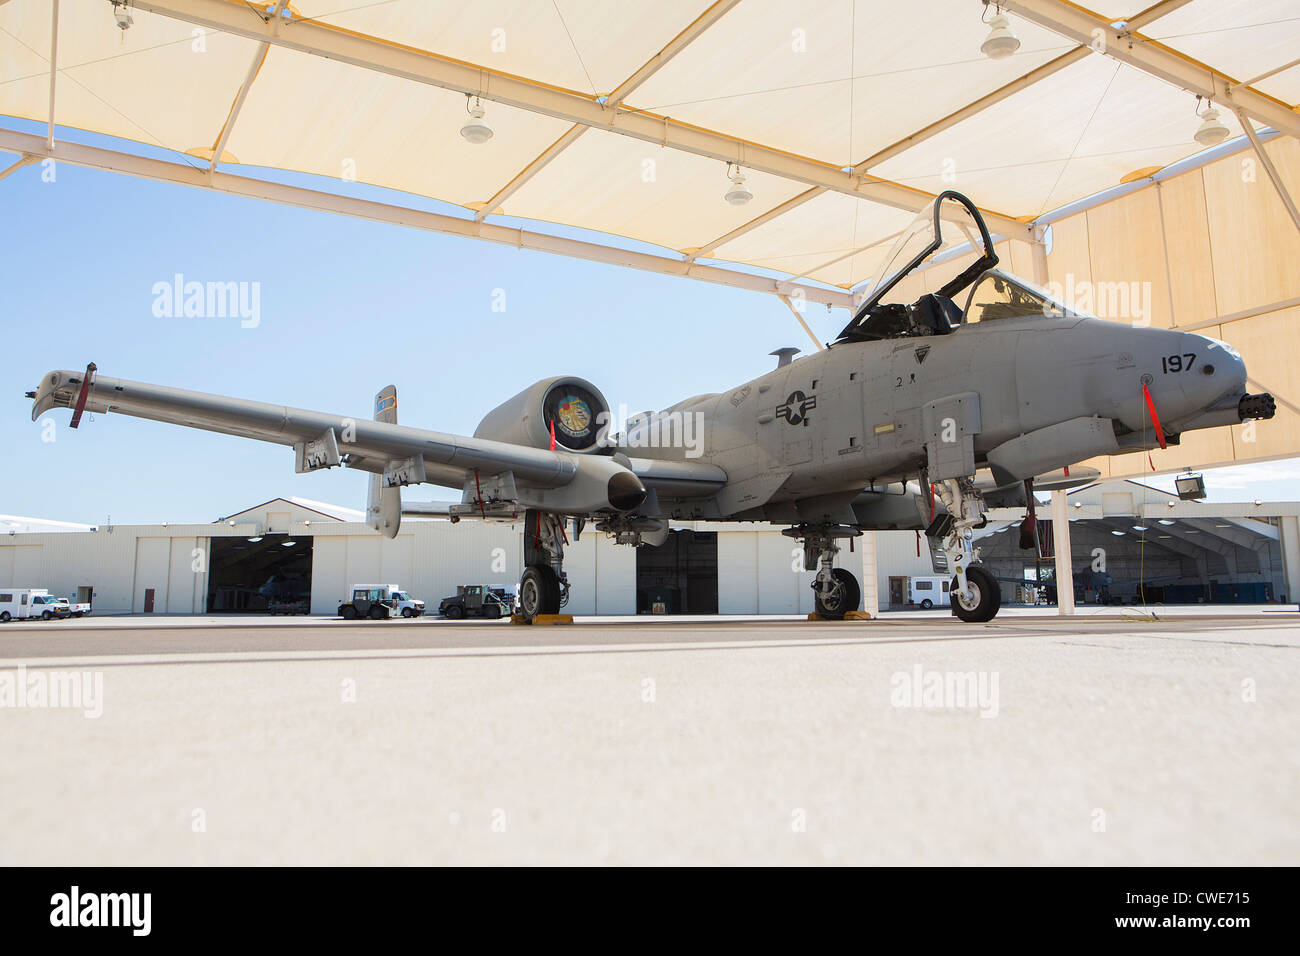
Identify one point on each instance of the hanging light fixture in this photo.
(1212, 130)
(476, 130)
(1001, 42)
(739, 193)
(122, 15)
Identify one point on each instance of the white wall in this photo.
(430, 558)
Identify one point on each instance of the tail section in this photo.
(384, 505)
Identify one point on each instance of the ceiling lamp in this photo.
(739, 193)
(1001, 42)
(1212, 131)
(475, 130)
(122, 15)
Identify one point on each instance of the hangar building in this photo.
(290, 549)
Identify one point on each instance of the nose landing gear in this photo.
(974, 592)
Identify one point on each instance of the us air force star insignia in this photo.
(921, 353)
(796, 408)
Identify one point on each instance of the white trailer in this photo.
(928, 591)
(23, 603)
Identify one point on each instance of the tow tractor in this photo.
(380, 602)
(477, 600)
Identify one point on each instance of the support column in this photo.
(1289, 526)
(870, 582)
(1064, 563)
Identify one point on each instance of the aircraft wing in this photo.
(399, 453)
(668, 479)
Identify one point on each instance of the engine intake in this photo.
(575, 408)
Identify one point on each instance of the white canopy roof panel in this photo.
(844, 116)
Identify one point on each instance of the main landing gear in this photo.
(544, 587)
(974, 592)
(836, 591)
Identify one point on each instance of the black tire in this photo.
(47, 615)
(493, 613)
(847, 598)
(348, 612)
(988, 598)
(539, 591)
(4, 617)
(378, 612)
(406, 612)
(927, 604)
(455, 612)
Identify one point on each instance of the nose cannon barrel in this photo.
(1262, 406)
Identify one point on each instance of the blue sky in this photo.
(346, 307)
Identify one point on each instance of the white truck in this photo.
(928, 591)
(24, 603)
(74, 610)
(380, 602)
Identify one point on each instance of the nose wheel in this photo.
(974, 592)
(981, 599)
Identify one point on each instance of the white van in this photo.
(21, 603)
(928, 592)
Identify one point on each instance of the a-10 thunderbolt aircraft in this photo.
(913, 401)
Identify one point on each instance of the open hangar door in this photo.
(680, 576)
(255, 575)
(1123, 559)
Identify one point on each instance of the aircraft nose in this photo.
(1220, 362)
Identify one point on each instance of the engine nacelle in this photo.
(576, 407)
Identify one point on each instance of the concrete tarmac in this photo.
(914, 739)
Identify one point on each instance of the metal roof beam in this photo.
(1147, 16)
(254, 68)
(649, 69)
(18, 164)
(308, 36)
(1150, 56)
(185, 174)
(978, 106)
(54, 67)
(1136, 22)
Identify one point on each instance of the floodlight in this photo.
(1001, 42)
(739, 193)
(1211, 131)
(1190, 487)
(476, 130)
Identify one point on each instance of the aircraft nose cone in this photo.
(1221, 365)
(625, 491)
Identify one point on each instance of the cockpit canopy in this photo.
(948, 238)
(950, 242)
(998, 295)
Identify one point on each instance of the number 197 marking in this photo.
(1177, 363)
